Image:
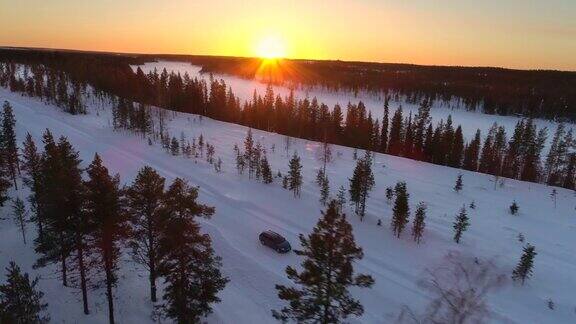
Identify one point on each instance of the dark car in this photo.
(275, 241)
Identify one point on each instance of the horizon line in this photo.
(284, 58)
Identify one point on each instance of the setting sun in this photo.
(271, 47)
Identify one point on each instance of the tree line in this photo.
(413, 136)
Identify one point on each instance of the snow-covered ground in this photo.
(245, 207)
(374, 102)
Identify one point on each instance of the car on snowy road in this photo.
(275, 241)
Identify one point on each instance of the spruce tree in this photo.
(190, 269)
(59, 202)
(419, 222)
(295, 175)
(174, 146)
(249, 152)
(8, 147)
(401, 209)
(458, 186)
(20, 300)
(4, 185)
(513, 156)
(460, 224)
(421, 122)
(144, 200)
(326, 155)
(324, 191)
(361, 184)
(267, 177)
(319, 177)
(341, 199)
(570, 173)
(20, 216)
(321, 294)
(457, 149)
(524, 268)
(105, 210)
(384, 130)
(31, 175)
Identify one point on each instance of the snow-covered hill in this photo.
(245, 207)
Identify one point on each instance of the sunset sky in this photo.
(509, 33)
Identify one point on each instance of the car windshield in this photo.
(284, 244)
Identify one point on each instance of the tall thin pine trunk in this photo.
(63, 263)
(152, 259)
(82, 276)
(109, 282)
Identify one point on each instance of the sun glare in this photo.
(271, 47)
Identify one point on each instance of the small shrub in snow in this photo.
(514, 208)
(550, 304)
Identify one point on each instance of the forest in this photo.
(50, 75)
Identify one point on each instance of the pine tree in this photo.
(144, 199)
(361, 184)
(66, 219)
(524, 268)
(321, 293)
(419, 222)
(20, 214)
(458, 186)
(104, 207)
(460, 225)
(8, 147)
(190, 269)
(401, 209)
(295, 175)
(20, 301)
(266, 170)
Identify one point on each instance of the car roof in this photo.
(273, 234)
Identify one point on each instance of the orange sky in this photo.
(512, 33)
